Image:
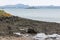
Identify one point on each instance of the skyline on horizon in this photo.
(30, 2)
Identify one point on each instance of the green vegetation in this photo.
(3, 13)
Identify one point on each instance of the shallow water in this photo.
(51, 15)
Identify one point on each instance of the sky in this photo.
(30, 2)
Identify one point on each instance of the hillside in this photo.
(3, 13)
(9, 24)
(23, 6)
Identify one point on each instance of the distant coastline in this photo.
(22, 6)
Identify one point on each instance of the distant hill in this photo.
(31, 8)
(10, 24)
(22, 6)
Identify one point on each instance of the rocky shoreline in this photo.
(15, 38)
(10, 24)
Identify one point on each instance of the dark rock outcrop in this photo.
(15, 23)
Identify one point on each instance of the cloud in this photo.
(30, 2)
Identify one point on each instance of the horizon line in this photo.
(30, 5)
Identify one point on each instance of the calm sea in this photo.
(49, 15)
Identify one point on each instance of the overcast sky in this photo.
(30, 2)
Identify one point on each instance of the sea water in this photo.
(49, 15)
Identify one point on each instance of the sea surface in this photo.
(48, 15)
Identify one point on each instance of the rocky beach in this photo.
(15, 38)
(11, 28)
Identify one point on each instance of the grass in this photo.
(3, 13)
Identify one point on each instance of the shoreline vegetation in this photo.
(11, 25)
